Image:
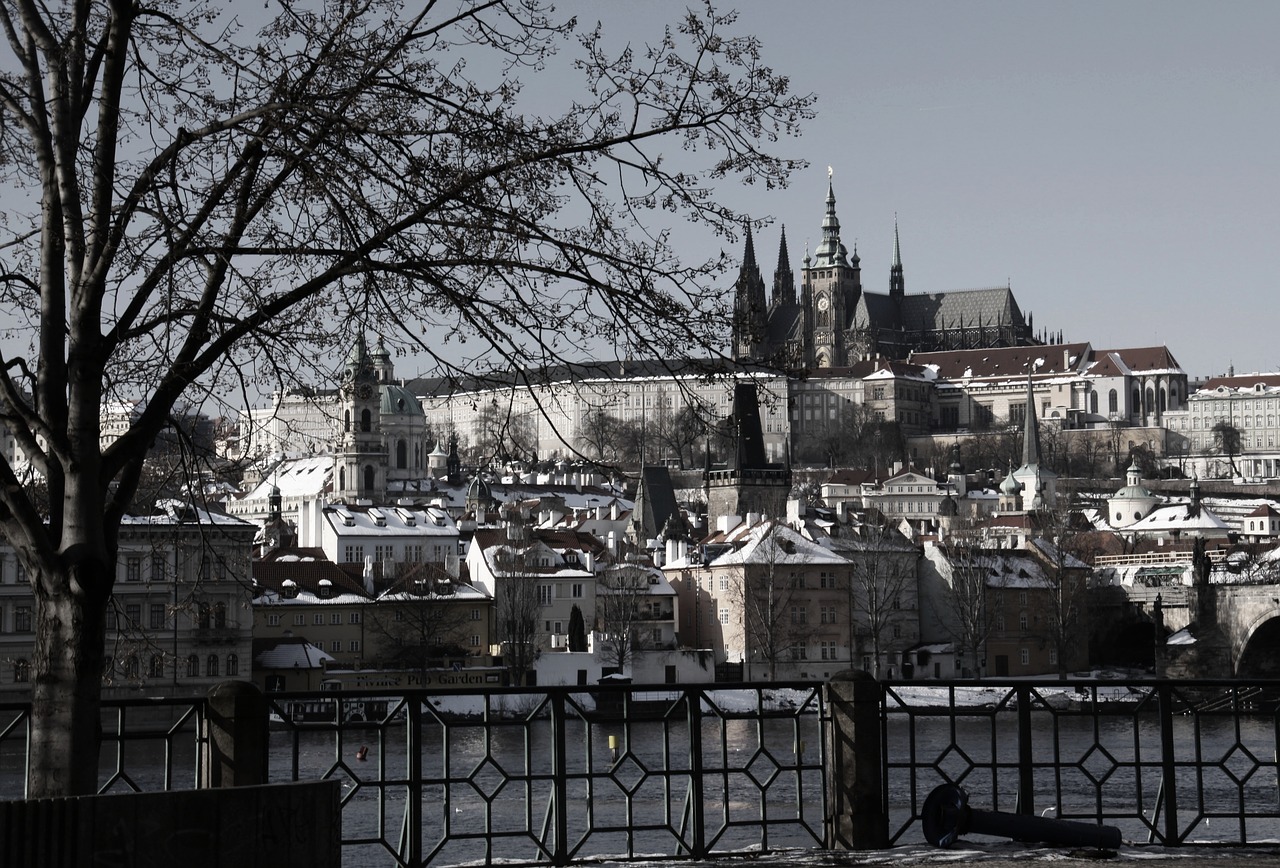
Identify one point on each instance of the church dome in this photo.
(1010, 485)
(398, 401)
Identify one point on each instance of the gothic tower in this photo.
(897, 285)
(784, 279)
(361, 462)
(749, 306)
(832, 285)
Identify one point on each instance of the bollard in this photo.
(856, 819)
(947, 816)
(235, 750)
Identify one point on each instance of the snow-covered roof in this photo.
(288, 653)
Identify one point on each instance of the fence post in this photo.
(857, 818)
(235, 742)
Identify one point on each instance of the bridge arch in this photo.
(1256, 653)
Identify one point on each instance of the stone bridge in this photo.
(1248, 618)
(1233, 619)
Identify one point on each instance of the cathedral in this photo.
(835, 323)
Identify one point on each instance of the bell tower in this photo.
(361, 463)
(832, 286)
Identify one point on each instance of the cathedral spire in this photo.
(749, 305)
(784, 279)
(830, 252)
(897, 285)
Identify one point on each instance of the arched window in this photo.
(1151, 400)
(1113, 402)
(402, 454)
(1164, 401)
(233, 665)
(366, 420)
(368, 478)
(193, 666)
(1136, 406)
(346, 424)
(156, 669)
(1093, 403)
(342, 478)
(211, 666)
(21, 671)
(131, 667)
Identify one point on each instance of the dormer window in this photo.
(289, 589)
(326, 589)
(379, 519)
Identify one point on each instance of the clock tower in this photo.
(831, 286)
(361, 463)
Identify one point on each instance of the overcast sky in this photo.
(1114, 162)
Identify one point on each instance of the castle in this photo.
(835, 322)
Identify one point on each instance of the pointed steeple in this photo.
(830, 252)
(897, 285)
(749, 306)
(784, 279)
(1031, 433)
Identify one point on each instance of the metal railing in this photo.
(559, 775)
(1168, 763)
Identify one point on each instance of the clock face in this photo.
(822, 303)
(364, 391)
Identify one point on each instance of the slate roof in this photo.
(288, 652)
(1147, 360)
(1004, 362)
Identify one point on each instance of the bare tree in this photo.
(600, 435)
(970, 610)
(678, 432)
(1063, 551)
(623, 610)
(420, 620)
(194, 212)
(882, 593)
(769, 591)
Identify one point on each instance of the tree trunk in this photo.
(67, 692)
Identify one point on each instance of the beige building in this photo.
(179, 618)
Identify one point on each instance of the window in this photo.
(21, 671)
(22, 619)
(158, 568)
(317, 619)
(211, 666)
(1022, 598)
(827, 615)
(156, 668)
(335, 618)
(544, 595)
(336, 644)
(133, 614)
(577, 590)
(724, 582)
(133, 569)
(193, 666)
(353, 618)
(724, 616)
(798, 615)
(1024, 656)
(799, 652)
(353, 554)
(354, 646)
(1113, 402)
(828, 649)
(1022, 621)
(475, 614)
(233, 665)
(299, 620)
(897, 631)
(475, 641)
(1053, 656)
(156, 618)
